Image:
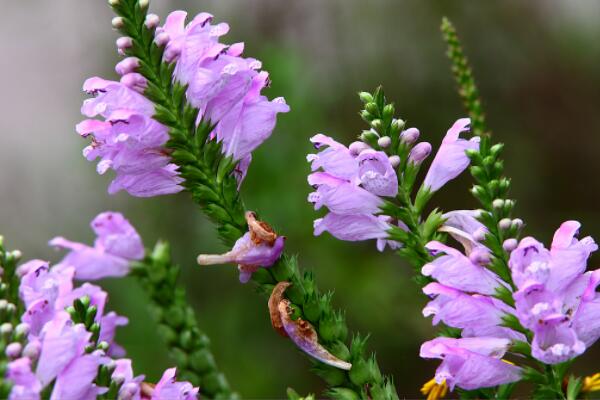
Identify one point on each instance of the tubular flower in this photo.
(259, 247)
(555, 298)
(222, 84)
(471, 363)
(127, 140)
(451, 158)
(169, 388)
(117, 244)
(351, 185)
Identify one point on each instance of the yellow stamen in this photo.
(434, 390)
(508, 362)
(591, 383)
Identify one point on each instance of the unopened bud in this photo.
(161, 39)
(117, 22)
(479, 234)
(135, 81)
(365, 97)
(419, 153)
(32, 350)
(123, 43)
(517, 223)
(504, 223)
(22, 329)
(384, 141)
(376, 124)
(6, 329)
(498, 204)
(394, 161)
(510, 244)
(409, 136)
(16, 254)
(369, 136)
(127, 65)
(103, 345)
(113, 3)
(371, 108)
(144, 4)
(480, 257)
(397, 125)
(388, 111)
(357, 147)
(13, 350)
(152, 21)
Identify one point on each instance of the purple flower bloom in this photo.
(25, 384)
(169, 389)
(130, 386)
(455, 269)
(471, 363)
(224, 86)
(259, 247)
(556, 298)
(116, 245)
(128, 141)
(451, 158)
(350, 184)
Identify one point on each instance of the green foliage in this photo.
(188, 346)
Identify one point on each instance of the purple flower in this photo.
(556, 298)
(350, 183)
(259, 247)
(451, 158)
(224, 86)
(128, 140)
(25, 384)
(169, 389)
(76, 381)
(471, 363)
(130, 385)
(455, 269)
(116, 245)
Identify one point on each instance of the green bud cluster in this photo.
(188, 346)
(208, 178)
(12, 333)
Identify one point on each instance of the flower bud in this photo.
(161, 39)
(22, 329)
(6, 329)
(510, 244)
(479, 234)
(419, 153)
(127, 65)
(117, 22)
(13, 350)
(409, 136)
(376, 124)
(517, 223)
(113, 3)
(498, 204)
(357, 147)
(152, 21)
(32, 350)
(135, 81)
(388, 111)
(480, 257)
(394, 161)
(504, 223)
(397, 125)
(369, 136)
(365, 97)
(124, 43)
(371, 108)
(144, 4)
(384, 141)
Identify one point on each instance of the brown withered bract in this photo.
(260, 232)
(274, 300)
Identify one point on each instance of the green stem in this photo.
(208, 178)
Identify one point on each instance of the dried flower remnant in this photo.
(259, 247)
(301, 332)
(274, 300)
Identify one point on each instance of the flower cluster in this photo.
(554, 298)
(223, 85)
(68, 337)
(354, 182)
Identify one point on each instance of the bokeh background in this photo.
(537, 64)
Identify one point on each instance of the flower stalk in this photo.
(208, 177)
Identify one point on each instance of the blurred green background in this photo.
(537, 64)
